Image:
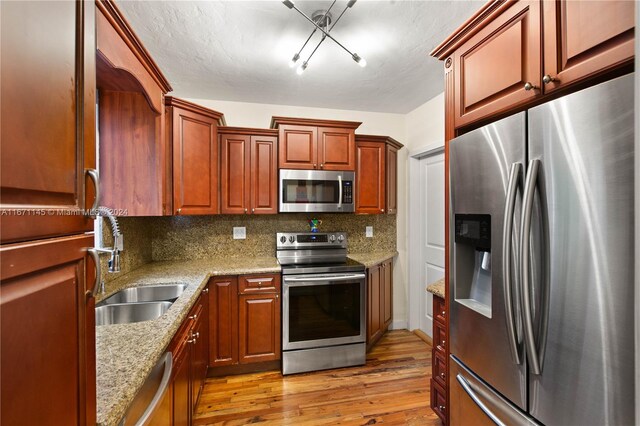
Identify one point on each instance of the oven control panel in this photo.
(310, 240)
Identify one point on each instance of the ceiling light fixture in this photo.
(321, 19)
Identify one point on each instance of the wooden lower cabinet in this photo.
(439, 369)
(190, 349)
(379, 301)
(245, 320)
(47, 333)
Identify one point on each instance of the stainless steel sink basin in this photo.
(125, 313)
(147, 293)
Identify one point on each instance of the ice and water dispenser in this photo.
(472, 262)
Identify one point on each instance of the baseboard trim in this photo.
(398, 325)
(424, 336)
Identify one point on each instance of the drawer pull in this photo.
(194, 317)
(443, 313)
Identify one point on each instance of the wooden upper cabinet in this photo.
(584, 38)
(494, 65)
(336, 149)
(376, 174)
(194, 133)
(47, 137)
(249, 174)
(298, 147)
(47, 333)
(370, 177)
(310, 144)
(135, 157)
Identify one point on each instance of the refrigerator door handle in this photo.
(507, 254)
(467, 388)
(525, 264)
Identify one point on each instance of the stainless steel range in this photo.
(323, 303)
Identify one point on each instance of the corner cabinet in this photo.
(192, 133)
(134, 156)
(310, 144)
(245, 332)
(249, 170)
(511, 54)
(379, 301)
(376, 174)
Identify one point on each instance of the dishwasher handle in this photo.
(162, 389)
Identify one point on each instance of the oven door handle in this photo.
(349, 277)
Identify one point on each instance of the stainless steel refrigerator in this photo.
(542, 259)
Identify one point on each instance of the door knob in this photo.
(528, 86)
(548, 79)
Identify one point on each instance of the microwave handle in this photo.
(339, 191)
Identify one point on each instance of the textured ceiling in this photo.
(239, 50)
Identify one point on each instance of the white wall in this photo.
(243, 114)
(425, 125)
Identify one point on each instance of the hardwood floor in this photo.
(392, 388)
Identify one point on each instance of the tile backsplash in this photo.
(149, 239)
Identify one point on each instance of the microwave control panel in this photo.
(347, 192)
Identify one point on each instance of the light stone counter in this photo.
(437, 288)
(126, 353)
(373, 258)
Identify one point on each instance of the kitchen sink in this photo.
(125, 313)
(148, 293)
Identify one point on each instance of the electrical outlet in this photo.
(369, 232)
(239, 233)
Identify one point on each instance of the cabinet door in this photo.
(493, 66)
(392, 180)
(387, 291)
(259, 328)
(264, 175)
(374, 316)
(336, 148)
(370, 177)
(582, 38)
(223, 321)
(47, 136)
(195, 163)
(298, 147)
(48, 344)
(181, 385)
(236, 178)
(198, 356)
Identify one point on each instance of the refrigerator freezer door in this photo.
(584, 189)
(483, 336)
(475, 403)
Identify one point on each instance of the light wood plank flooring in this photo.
(392, 388)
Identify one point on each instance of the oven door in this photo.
(323, 310)
(318, 191)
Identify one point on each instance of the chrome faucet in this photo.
(118, 246)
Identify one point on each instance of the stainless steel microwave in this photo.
(316, 191)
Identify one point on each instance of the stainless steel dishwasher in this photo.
(152, 403)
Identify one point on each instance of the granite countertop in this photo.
(373, 258)
(437, 288)
(126, 353)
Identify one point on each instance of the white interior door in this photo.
(426, 234)
(432, 171)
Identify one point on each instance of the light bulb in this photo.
(360, 61)
(293, 60)
(288, 3)
(301, 68)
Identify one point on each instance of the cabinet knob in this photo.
(315, 166)
(277, 296)
(382, 210)
(179, 210)
(194, 317)
(321, 165)
(442, 375)
(548, 79)
(441, 407)
(443, 342)
(253, 210)
(528, 86)
(205, 291)
(259, 283)
(245, 211)
(443, 312)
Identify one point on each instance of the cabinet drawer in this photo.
(439, 310)
(439, 369)
(439, 337)
(438, 400)
(250, 284)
